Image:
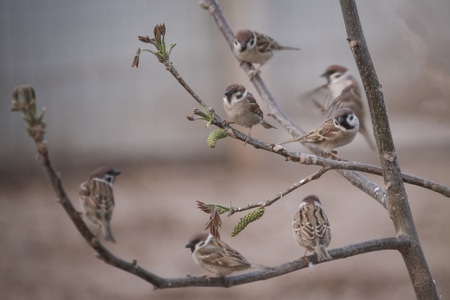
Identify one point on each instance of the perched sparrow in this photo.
(311, 228)
(242, 109)
(256, 48)
(341, 90)
(334, 132)
(97, 199)
(215, 256)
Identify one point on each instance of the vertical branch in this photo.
(397, 198)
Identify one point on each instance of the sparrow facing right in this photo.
(255, 47)
(336, 131)
(312, 228)
(241, 107)
(341, 90)
(216, 256)
(97, 199)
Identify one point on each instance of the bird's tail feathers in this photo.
(107, 233)
(322, 254)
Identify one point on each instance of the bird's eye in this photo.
(109, 178)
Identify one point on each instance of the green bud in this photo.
(216, 135)
(247, 219)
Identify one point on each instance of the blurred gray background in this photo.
(77, 55)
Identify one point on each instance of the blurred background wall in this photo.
(77, 55)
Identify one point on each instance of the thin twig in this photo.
(282, 194)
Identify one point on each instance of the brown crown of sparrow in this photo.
(241, 107)
(255, 47)
(341, 90)
(97, 199)
(216, 256)
(336, 131)
(312, 228)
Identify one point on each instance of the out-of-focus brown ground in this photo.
(44, 257)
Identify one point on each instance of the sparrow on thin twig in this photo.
(97, 199)
(312, 228)
(256, 48)
(215, 256)
(336, 131)
(341, 90)
(241, 107)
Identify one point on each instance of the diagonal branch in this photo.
(282, 194)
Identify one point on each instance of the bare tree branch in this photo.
(398, 205)
(282, 194)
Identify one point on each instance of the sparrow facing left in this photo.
(312, 228)
(341, 90)
(241, 107)
(336, 131)
(216, 256)
(97, 199)
(256, 48)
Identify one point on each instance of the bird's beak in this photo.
(243, 46)
(190, 246)
(116, 172)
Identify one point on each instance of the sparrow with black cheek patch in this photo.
(256, 48)
(215, 256)
(336, 131)
(97, 199)
(241, 107)
(312, 228)
(341, 90)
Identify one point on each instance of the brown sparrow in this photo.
(241, 107)
(97, 199)
(341, 90)
(256, 48)
(215, 256)
(336, 131)
(311, 228)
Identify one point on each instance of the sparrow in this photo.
(336, 131)
(255, 48)
(341, 90)
(312, 228)
(241, 107)
(216, 256)
(97, 199)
